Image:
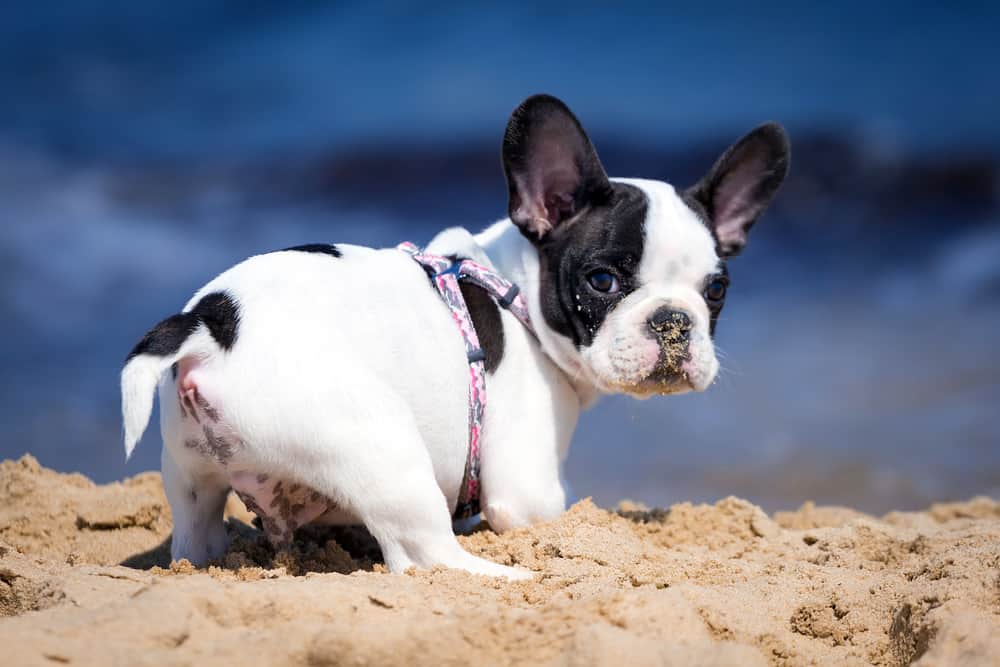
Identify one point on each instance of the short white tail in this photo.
(141, 375)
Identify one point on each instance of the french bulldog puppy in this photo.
(330, 384)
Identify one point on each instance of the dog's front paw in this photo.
(518, 574)
(501, 517)
(491, 569)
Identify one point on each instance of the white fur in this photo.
(348, 376)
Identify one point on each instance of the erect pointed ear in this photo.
(552, 168)
(741, 185)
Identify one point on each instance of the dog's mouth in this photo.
(675, 372)
(654, 385)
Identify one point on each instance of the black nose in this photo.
(666, 319)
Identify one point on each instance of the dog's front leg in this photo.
(529, 428)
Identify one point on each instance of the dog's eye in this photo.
(716, 291)
(602, 281)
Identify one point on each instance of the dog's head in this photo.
(632, 273)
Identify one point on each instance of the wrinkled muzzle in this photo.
(642, 353)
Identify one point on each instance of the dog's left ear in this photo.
(552, 169)
(741, 185)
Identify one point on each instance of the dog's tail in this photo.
(200, 332)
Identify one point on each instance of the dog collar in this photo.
(446, 273)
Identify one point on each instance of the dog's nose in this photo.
(666, 319)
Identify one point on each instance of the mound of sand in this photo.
(85, 579)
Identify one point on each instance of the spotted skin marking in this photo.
(211, 412)
(214, 446)
(200, 446)
(189, 404)
(194, 404)
(282, 508)
(221, 448)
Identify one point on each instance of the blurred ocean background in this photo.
(145, 147)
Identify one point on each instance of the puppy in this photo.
(330, 383)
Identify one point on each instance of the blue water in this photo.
(143, 150)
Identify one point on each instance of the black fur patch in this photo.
(218, 311)
(715, 309)
(325, 248)
(608, 237)
(485, 314)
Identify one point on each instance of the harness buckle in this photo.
(455, 268)
(507, 299)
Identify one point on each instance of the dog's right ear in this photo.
(552, 169)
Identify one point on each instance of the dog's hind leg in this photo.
(197, 499)
(381, 471)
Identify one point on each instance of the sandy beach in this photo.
(85, 579)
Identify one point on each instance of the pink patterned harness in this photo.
(446, 273)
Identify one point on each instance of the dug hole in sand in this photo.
(85, 580)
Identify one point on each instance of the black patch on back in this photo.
(609, 236)
(485, 314)
(325, 248)
(219, 313)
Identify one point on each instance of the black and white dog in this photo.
(329, 383)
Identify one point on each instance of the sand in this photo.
(85, 580)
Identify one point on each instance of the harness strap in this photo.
(446, 274)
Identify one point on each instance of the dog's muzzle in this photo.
(671, 328)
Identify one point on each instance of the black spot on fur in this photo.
(325, 248)
(485, 316)
(219, 313)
